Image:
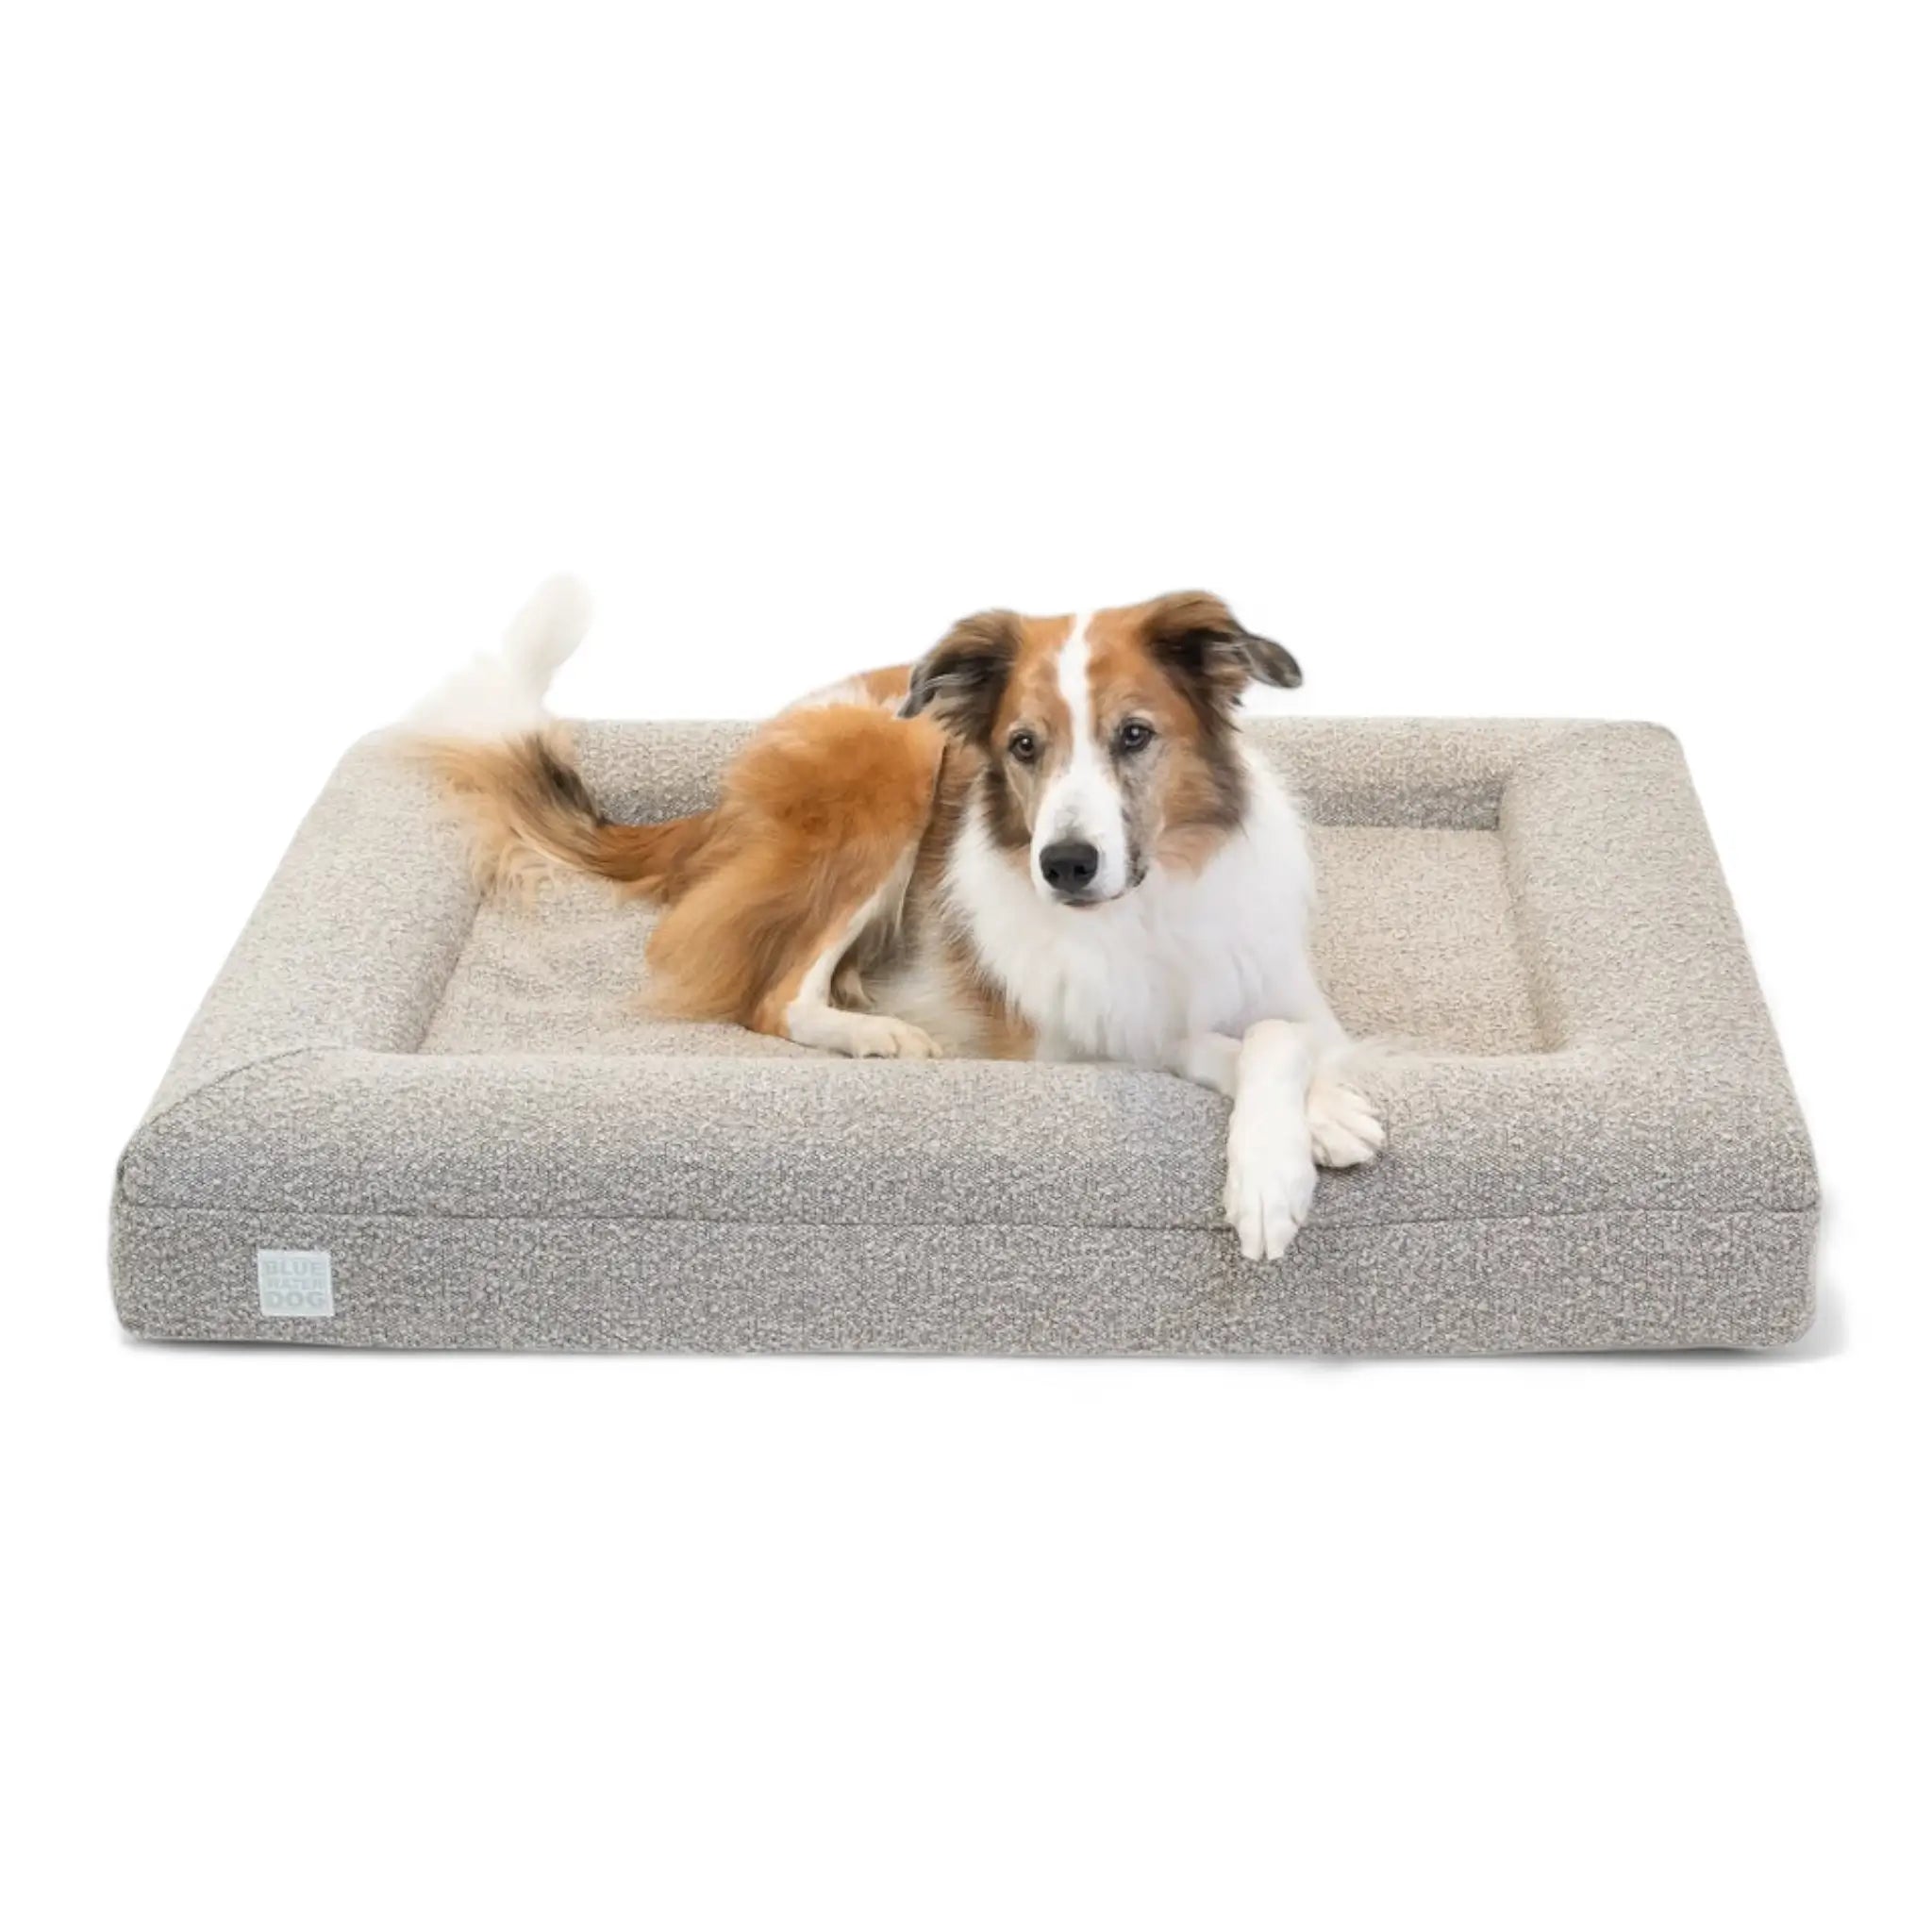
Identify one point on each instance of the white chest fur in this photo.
(1181, 955)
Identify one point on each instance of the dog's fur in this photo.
(1046, 838)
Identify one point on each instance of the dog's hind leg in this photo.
(803, 1008)
(819, 828)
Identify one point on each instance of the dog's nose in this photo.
(1069, 866)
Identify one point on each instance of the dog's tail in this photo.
(488, 736)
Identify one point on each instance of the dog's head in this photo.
(1110, 738)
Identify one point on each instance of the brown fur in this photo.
(818, 811)
(526, 802)
(888, 686)
(1191, 775)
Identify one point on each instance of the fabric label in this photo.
(295, 1281)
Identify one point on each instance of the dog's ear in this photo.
(962, 678)
(1200, 642)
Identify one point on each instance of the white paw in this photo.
(879, 1037)
(1342, 1123)
(1270, 1190)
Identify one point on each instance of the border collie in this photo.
(1046, 839)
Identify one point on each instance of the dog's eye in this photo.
(1134, 735)
(1024, 747)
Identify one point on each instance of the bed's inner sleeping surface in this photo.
(1416, 938)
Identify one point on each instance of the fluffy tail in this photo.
(488, 736)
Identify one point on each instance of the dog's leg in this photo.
(1271, 1163)
(1342, 1123)
(1343, 1126)
(804, 1010)
(1271, 1155)
(820, 828)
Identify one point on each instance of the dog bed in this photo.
(411, 1114)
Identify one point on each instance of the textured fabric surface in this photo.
(1456, 1287)
(1592, 1140)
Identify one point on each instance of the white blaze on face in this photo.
(1082, 802)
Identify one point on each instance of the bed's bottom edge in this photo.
(1619, 1280)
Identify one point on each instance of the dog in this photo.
(1045, 838)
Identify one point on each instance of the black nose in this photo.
(1069, 866)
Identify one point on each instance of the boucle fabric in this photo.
(458, 1098)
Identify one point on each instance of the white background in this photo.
(1563, 360)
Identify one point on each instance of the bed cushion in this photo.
(412, 1115)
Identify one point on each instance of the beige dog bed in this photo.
(411, 1116)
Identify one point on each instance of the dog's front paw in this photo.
(1270, 1190)
(1342, 1123)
